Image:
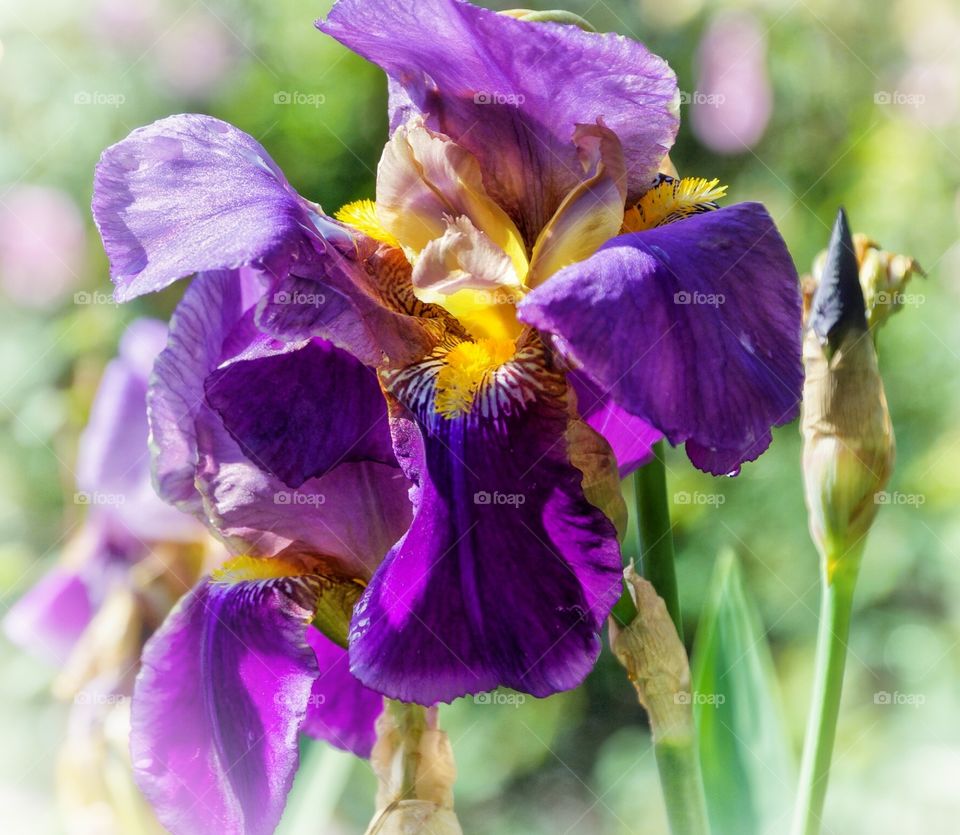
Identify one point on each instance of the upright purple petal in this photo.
(701, 330)
(219, 702)
(512, 92)
(342, 711)
(191, 193)
(507, 572)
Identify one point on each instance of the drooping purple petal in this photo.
(511, 92)
(630, 437)
(352, 515)
(341, 711)
(299, 409)
(210, 309)
(700, 322)
(507, 572)
(218, 704)
(191, 193)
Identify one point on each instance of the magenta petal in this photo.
(701, 330)
(342, 711)
(512, 92)
(191, 193)
(507, 572)
(218, 704)
(631, 438)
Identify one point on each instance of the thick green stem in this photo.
(835, 610)
(656, 532)
(678, 765)
(411, 721)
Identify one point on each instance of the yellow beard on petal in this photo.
(243, 569)
(362, 216)
(464, 370)
(673, 200)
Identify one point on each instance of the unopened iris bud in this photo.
(413, 761)
(848, 444)
(883, 278)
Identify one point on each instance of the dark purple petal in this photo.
(352, 515)
(700, 325)
(50, 618)
(512, 92)
(507, 572)
(211, 308)
(342, 711)
(191, 193)
(631, 438)
(299, 410)
(218, 704)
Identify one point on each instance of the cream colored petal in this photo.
(591, 214)
(425, 177)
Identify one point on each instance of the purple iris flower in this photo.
(426, 401)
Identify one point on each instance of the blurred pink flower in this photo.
(195, 55)
(126, 25)
(42, 244)
(731, 105)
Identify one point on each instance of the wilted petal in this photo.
(512, 92)
(507, 572)
(693, 326)
(218, 704)
(342, 711)
(191, 193)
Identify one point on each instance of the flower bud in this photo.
(883, 278)
(848, 445)
(655, 660)
(413, 761)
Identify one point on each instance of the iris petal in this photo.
(700, 325)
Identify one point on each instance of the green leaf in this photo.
(748, 767)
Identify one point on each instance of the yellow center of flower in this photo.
(464, 371)
(245, 569)
(362, 216)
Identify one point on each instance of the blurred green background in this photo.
(801, 105)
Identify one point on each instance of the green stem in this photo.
(678, 765)
(656, 532)
(411, 721)
(835, 610)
